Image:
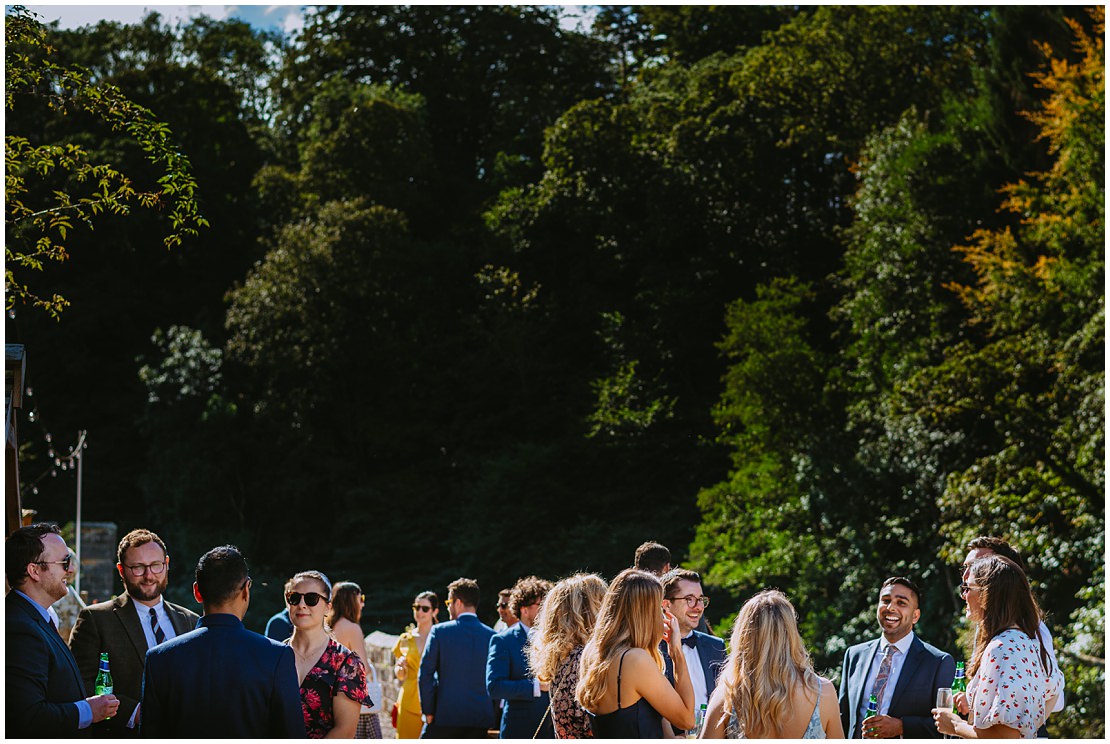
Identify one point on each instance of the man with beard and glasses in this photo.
(127, 626)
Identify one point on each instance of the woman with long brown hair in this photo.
(620, 678)
(768, 689)
(566, 621)
(347, 602)
(1012, 680)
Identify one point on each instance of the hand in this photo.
(545, 687)
(400, 669)
(882, 727)
(428, 719)
(103, 706)
(670, 630)
(962, 704)
(946, 721)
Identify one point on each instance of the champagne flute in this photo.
(945, 701)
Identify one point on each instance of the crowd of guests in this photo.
(578, 658)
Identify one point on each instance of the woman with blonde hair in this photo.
(566, 621)
(620, 677)
(768, 689)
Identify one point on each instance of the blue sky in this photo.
(272, 17)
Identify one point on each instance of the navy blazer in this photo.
(42, 679)
(508, 678)
(221, 680)
(452, 669)
(711, 651)
(925, 670)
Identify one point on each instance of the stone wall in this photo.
(379, 652)
(99, 579)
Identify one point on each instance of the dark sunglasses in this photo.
(421, 608)
(311, 599)
(503, 605)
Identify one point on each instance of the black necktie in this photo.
(159, 635)
(690, 641)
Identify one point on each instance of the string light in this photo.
(55, 461)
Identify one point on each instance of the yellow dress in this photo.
(409, 722)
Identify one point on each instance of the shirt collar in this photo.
(42, 610)
(902, 645)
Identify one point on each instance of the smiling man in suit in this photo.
(452, 682)
(129, 625)
(705, 654)
(507, 674)
(900, 670)
(45, 695)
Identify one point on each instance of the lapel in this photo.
(178, 619)
(521, 634)
(702, 644)
(909, 666)
(127, 612)
(863, 670)
(60, 649)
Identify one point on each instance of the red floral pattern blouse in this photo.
(1011, 686)
(339, 670)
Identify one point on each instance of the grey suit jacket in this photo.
(114, 626)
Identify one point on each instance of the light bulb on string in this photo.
(11, 313)
(35, 490)
(53, 473)
(30, 392)
(50, 452)
(48, 438)
(31, 415)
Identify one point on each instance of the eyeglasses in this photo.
(421, 608)
(448, 601)
(139, 569)
(64, 563)
(692, 601)
(311, 599)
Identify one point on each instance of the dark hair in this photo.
(345, 603)
(653, 557)
(903, 581)
(135, 539)
(999, 546)
(221, 572)
(464, 590)
(505, 593)
(24, 546)
(1005, 600)
(431, 597)
(671, 578)
(528, 591)
(315, 576)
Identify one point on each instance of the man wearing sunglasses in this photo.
(45, 694)
(130, 624)
(507, 675)
(705, 654)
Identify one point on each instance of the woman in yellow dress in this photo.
(407, 651)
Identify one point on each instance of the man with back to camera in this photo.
(899, 669)
(653, 558)
(221, 680)
(129, 625)
(45, 693)
(507, 674)
(452, 683)
(705, 654)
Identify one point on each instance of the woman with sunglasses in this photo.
(1012, 681)
(620, 677)
(347, 602)
(407, 651)
(566, 621)
(332, 677)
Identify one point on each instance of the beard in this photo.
(149, 592)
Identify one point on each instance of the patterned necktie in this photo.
(884, 673)
(159, 634)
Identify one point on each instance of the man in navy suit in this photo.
(901, 671)
(507, 673)
(45, 694)
(453, 693)
(705, 653)
(221, 680)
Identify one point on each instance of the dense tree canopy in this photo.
(810, 295)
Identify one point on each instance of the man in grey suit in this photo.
(900, 670)
(129, 625)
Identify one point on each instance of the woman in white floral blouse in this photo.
(1012, 679)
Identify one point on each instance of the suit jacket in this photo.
(711, 652)
(41, 675)
(452, 674)
(925, 670)
(114, 626)
(507, 678)
(221, 681)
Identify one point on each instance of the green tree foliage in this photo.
(51, 187)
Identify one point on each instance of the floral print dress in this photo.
(1011, 686)
(571, 721)
(339, 670)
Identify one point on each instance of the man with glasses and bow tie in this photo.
(45, 694)
(899, 669)
(128, 625)
(705, 654)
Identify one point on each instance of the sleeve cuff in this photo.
(535, 688)
(84, 714)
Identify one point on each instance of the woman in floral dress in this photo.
(332, 677)
(1012, 680)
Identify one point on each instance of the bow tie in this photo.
(690, 641)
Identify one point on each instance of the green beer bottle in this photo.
(959, 684)
(104, 684)
(872, 706)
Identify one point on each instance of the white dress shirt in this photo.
(163, 622)
(697, 674)
(900, 649)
